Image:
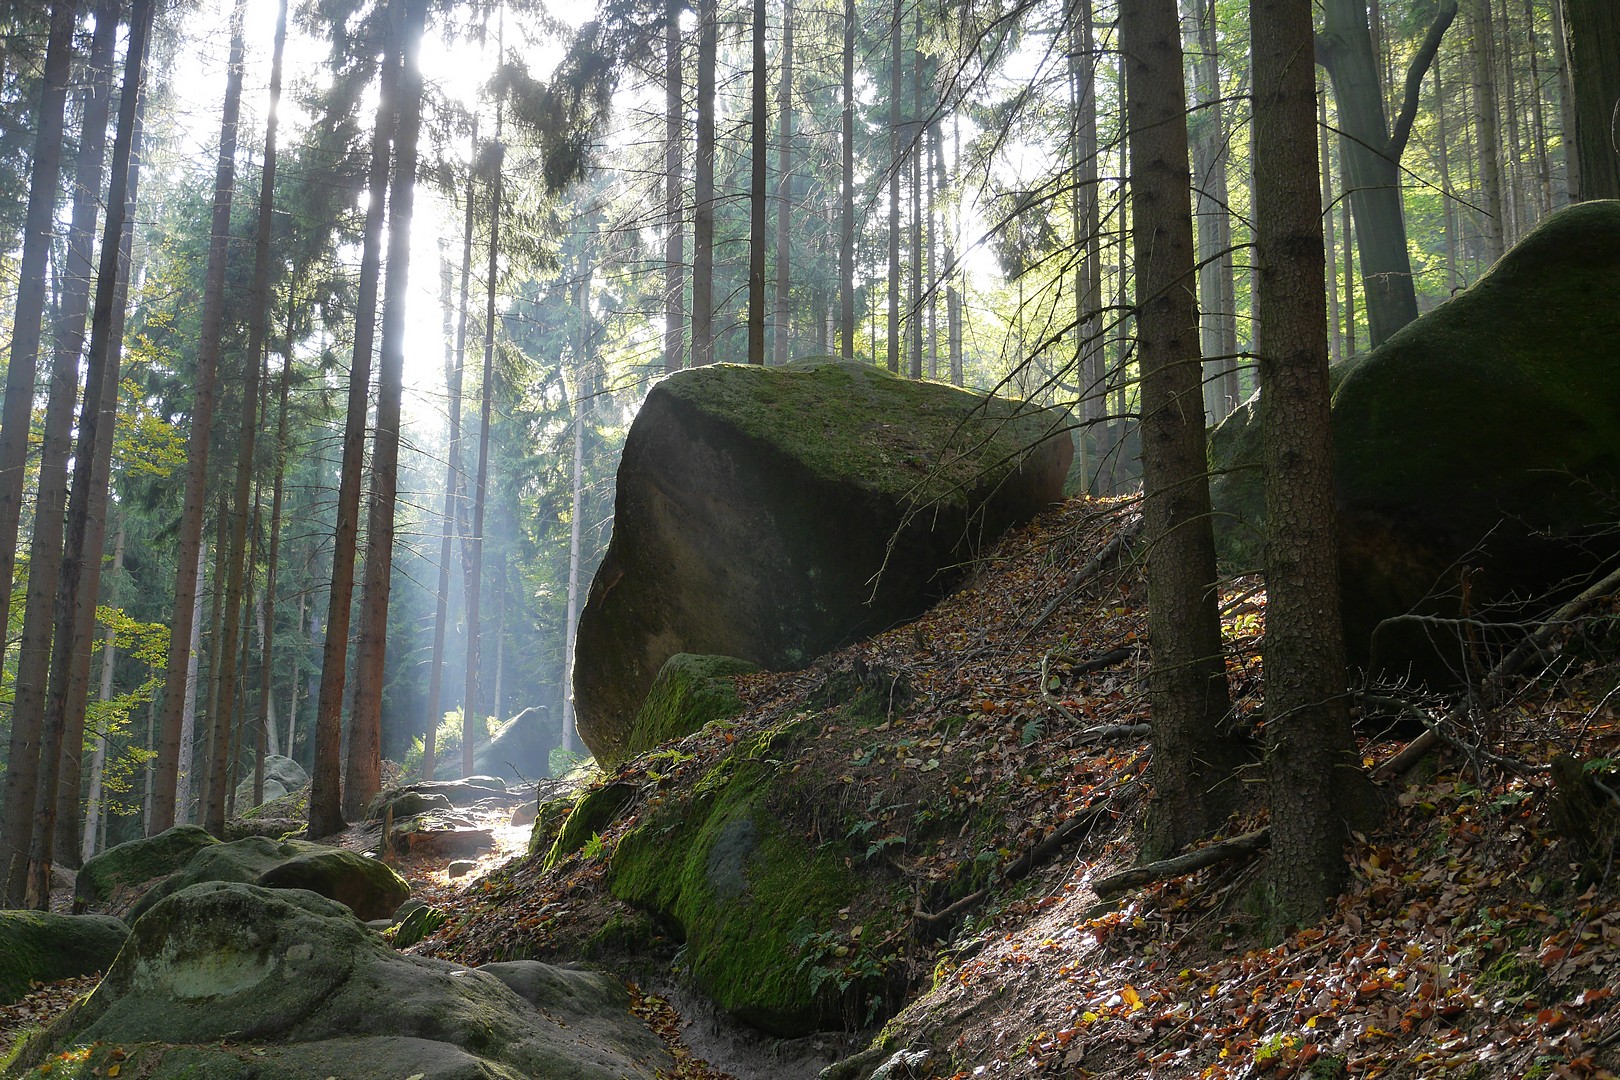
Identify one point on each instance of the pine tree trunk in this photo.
(759, 147)
(703, 189)
(1208, 132)
(896, 162)
(674, 220)
(206, 382)
(188, 711)
(325, 796)
(1566, 104)
(914, 140)
(1329, 238)
(1493, 228)
(1193, 757)
(781, 351)
(1538, 114)
(98, 759)
(363, 775)
(1449, 212)
(577, 507)
(846, 217)
(266, 722)
(1310, 770)
(1593, 31)
(1516, 217)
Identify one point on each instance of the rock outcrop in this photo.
(38, 946)
(281, 776)
(1476, 453)
(690, 691)
(774, 514)
(234, 981)
(115, 879)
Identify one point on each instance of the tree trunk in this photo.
(206, 382)
(1516, 217)
(674, 221)
(1592, 28)
(98, 760)
(896, 161)
(1566, 104)
(846, 217)
(252, 361)
(703, 189)
(325, 798)
(1193, 756)
(1330, 241)
(781, 351)
(1449, 212)
(1208, 130)
(759, 146)
(452, 476)
(363, 776)
(1493, 228)
(188, 711)
(1538, 113)
(266, 722)
(1309, 763)
(914, 296)
(577, 505)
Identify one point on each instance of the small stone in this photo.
(461, 868)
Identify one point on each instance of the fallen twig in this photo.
(1237, 847)
(1105, 732)
(1111, 553)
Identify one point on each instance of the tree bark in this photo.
(846, 222)
(363, 775)
(1493, 228)
(896, 161)
(1592, 28)
(1194, 757)
(325, 797)
(674, 220)
(703, 189)
(781, 351)
(759, 149)
(1310, 767)
(265, 723)
(98, 759)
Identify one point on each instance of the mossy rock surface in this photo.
(774, 514)
(548, 821)
(281, 775)
(39, 946)
(243, 860)
(293, 985)
(368, 887)
(743, 889)
(119, 872)
(1484, 435)
(592, 812)
(689, 692)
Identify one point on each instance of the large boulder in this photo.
(116, 878)
(1476, 453)
(368, 887)
(774, 514)
(241, 860)
(690, 691)
(298, 987)
(38, 946)
(281, 775)
(519, 750)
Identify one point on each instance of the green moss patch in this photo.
(592, 813)
(38, 946)
(691, 690)
(123, 869)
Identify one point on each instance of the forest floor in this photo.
(1475, 938)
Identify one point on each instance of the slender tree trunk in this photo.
(266, 722)
(1566, 104)
(914, 296)
(188, 708)
(1208, 131)
(781, 351)
(1493, 228)
(1310, 767)
(1194, 756)
(846, 224)
(364, 773)
(953, 297)
(760, 145)
(1449, 211)
(252, 361)
(1515, 215)
(1592, 28)
(26, 327)
(325, 798)
(98, 759)
(1538, 113)
(581, 403)
(1330, 240)
(703, 189)
(206, 382)
(896, 163)
(674, 219)
(452, 477)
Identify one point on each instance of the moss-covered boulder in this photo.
(368, 887)
(38, 946)
(750, 896)
(774, 514)
(117, 876)
(690, 691)
(1476, 453)
(281, 775)
(241, 860)
(299, 987)
(592, 812)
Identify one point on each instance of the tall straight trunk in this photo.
(1449, 211)
(1213, 217)
(780, 350)
(931, 246)
(363, 776)
(452, 477)
(252, 362)
(1310, 768)
(216, 631)
(577, 506)
(206, 382)
(1592, 28)
(1566, 104)
(45, 545)
(953, 298)
(1347, 227)
(26, 326)
(914, 294)
(1329, 238)
(472, 544)
(265, 722)
(98, 758)
(1494, 227)
(674, 220)
(1194, 756)
(896, 163)
(703, 188)
(846, 216)
(325, 798)
(1370, 150)
(188, 710)
(759, 148)
(1538, 114)
(1516, 216)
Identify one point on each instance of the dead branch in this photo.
(1115, 550)
(1106, 732)
(1235, 848)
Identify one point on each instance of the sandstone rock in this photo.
(240, 860)
(757, 506)
(368, 887)
(281, 775)
(1481, 440)
(298, 987)
(38, 946)
(116, 877)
